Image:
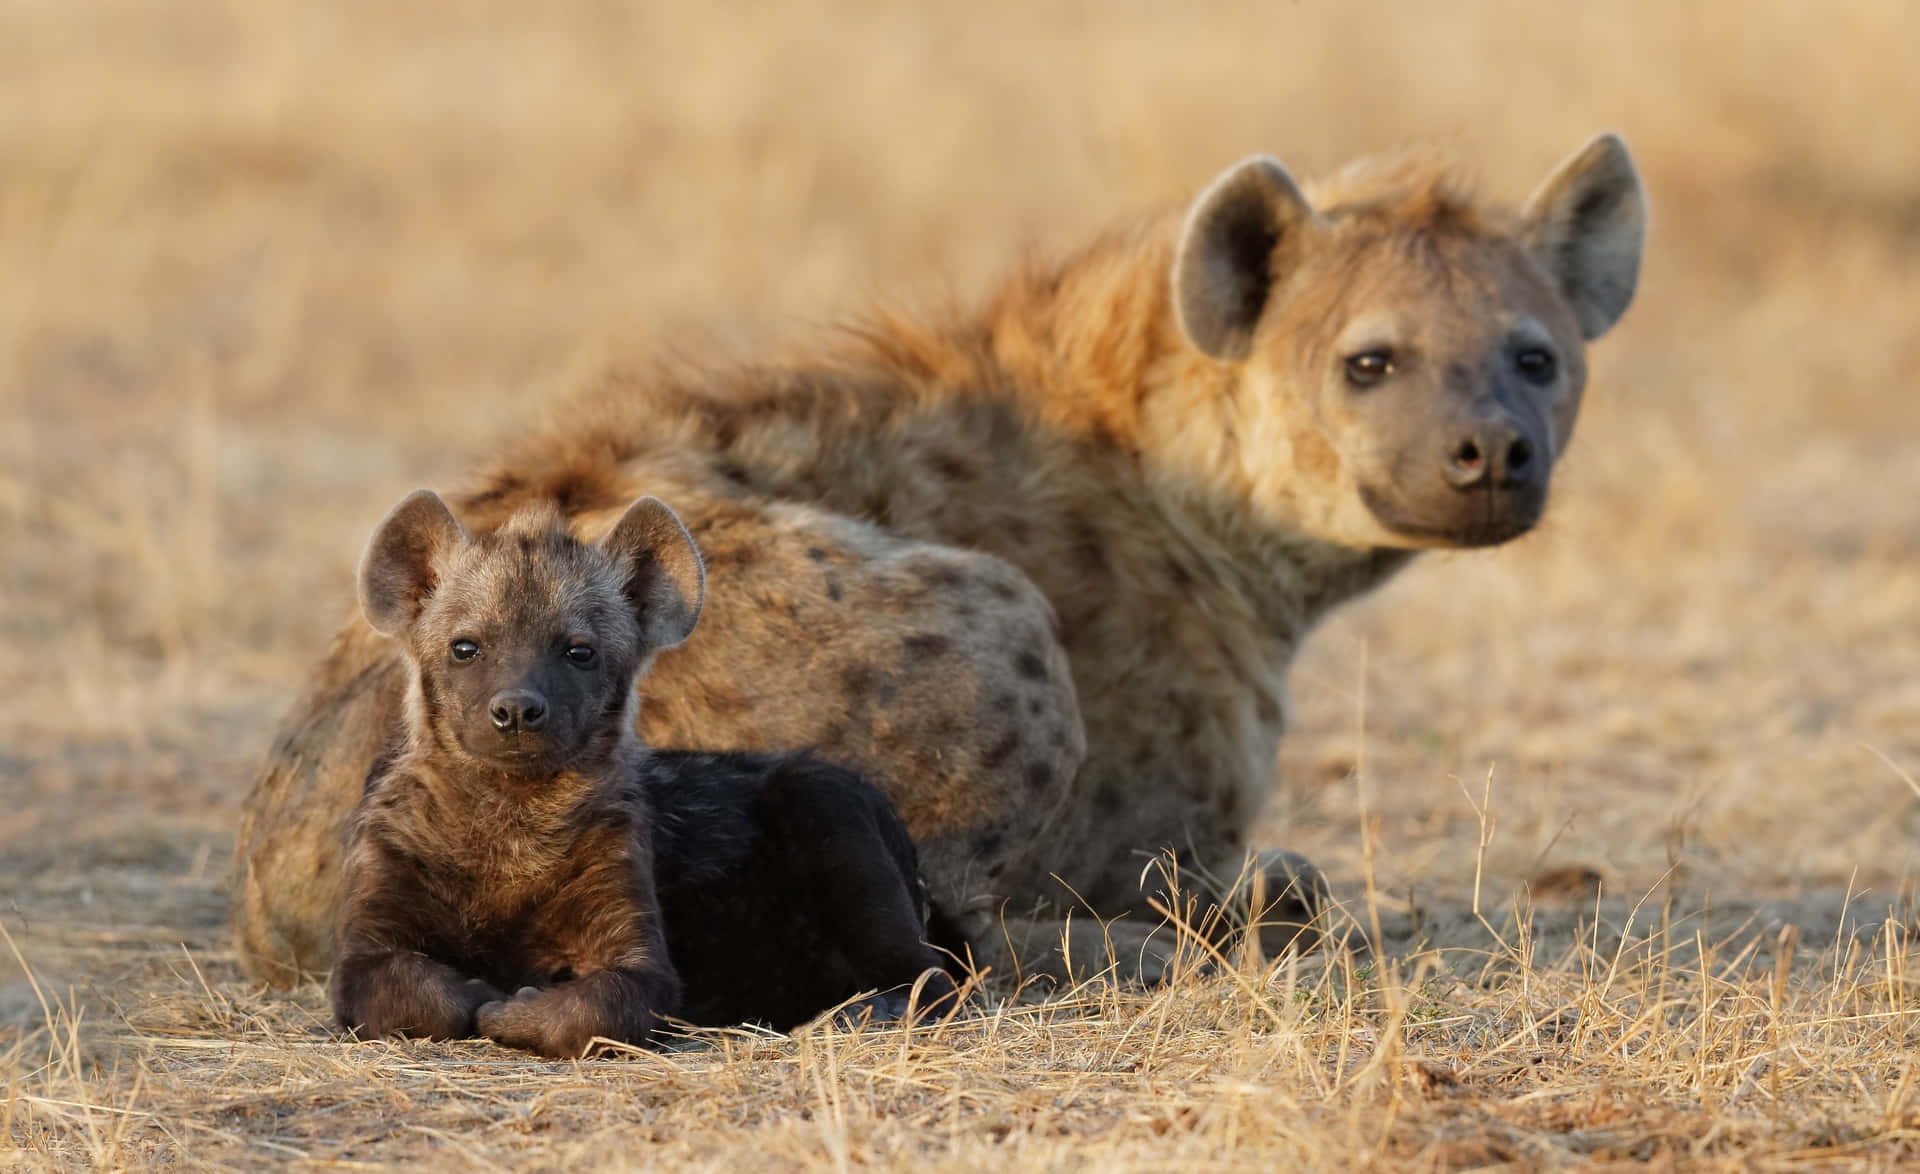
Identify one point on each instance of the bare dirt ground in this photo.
(264, 267)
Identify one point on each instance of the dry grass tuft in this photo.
(1634, 1040)
(1623, 815)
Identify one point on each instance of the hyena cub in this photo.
(517, 837)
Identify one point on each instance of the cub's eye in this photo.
(1369, 367)
(464, 651)
(1537, 364)
(580, 654)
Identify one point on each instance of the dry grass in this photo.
(264, 267)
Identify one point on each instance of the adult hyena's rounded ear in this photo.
(666, 582)
(1224, 265)
(400, 567)
(1587, 226)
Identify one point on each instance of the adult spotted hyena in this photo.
(1041, 568)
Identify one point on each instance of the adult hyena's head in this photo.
(526, 642)
(1410, 363)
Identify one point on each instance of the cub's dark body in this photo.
(787, 885)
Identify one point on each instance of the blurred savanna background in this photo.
(265, 267)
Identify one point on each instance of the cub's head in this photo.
(526, 641)
(1410, 363)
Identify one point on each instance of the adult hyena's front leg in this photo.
(1277, 894)
(934, 670)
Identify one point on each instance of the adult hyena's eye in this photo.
(463, 651)
(1369, 367)
(580, 654)
(1537, 364)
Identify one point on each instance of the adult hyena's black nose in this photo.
(515, 710)
(1496, 454)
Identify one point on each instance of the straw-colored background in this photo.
(265, 267)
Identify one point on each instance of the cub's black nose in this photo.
(514, 710)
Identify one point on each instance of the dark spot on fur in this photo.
(997, 755)
(1189, 720)
(1177, 571)
(1089, 549)
(1040, 776)
(574, 493)
(1031, 666)
(943, 575)
(947, 726)
(954, 466)
(816, 554)
(924, 645)
(1003, 703)
(833, 590)
(856, 679)
(1004, 592)
(733, 471)
(1266, 706)
(1108, 800)
(504, 486)
(1034, 706)
(988, 844)
(731, 558)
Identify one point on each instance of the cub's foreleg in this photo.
(404, 992)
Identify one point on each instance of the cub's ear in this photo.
(1586, 226)
(1224, 265)
(399, 570)
(665, 580)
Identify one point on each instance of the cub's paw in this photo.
(536, 1021)
(474, 994)
(437, 1008)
